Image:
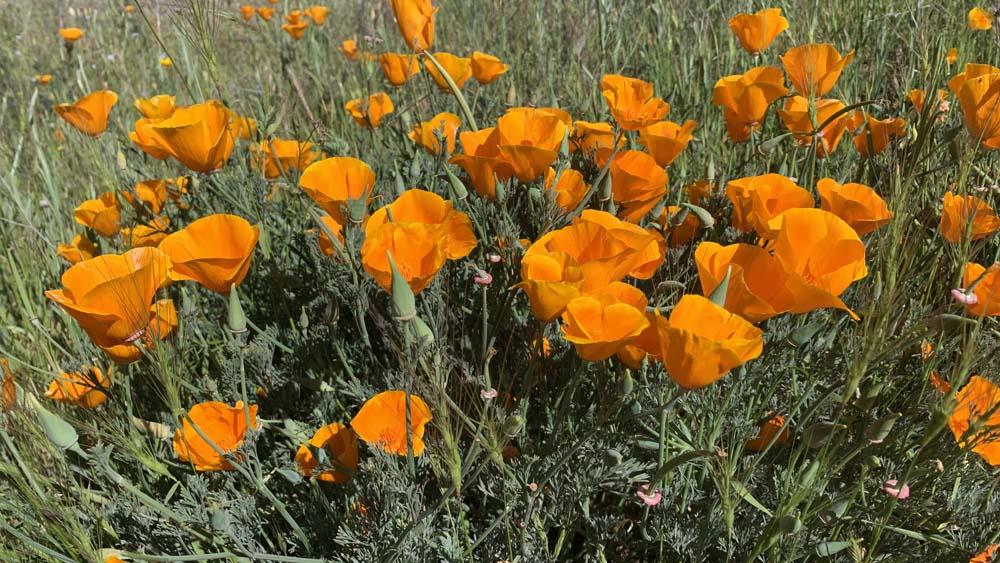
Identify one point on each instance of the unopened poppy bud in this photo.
(626, 384)
(513, 426)
(458, 191)
(879, 430)
(58, 431)
(402, 295)
(220, 520)
(356, 209)
(415, 167)
(564, 146)
(612, 457)
(398, 179)
(604, 190)
(303, 319)
(237, 320)
(423, 335)
(635, 408)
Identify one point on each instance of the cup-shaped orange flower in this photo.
(631, 102)
(857, 204)
(148, 195)
(458, 68)
(279, 157)
(214, 251)
(102, 215)
(160, 106)
(327, 245)
(758, 199)
(442, 127)
(984, 283)
(482, 161)
(247, 12)
(978, 403)
(201, 137)
(224, 426)
(340, 444)
(701, 342)
(415, 19)
(265, 13)
(595, 139)
(980, 19)
(814, 69)
(71, 34)
(151, 234)
(570, 188)
(644, 247)
(417, 249)
(381, 422)
(550, 280)
(89, 114)
(967, 214)
(917, 98)
(745, 98)
(368, 112)
(772, 432)
(638, 183)
(487, 68)
(110, 295)
(420, 206)
(162, 323)
(756, 31)
(334, 182)
(143, 138)
(349, 48)
(317, 14)
(85, 388)
(798, 118)
(977, 90)
(529, 141)
(665, 140)
(599, 325)
(685, 229)
(874, 135)
(295, 30)
(82, 248)
(398, 68)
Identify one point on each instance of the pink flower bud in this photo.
(649, 499)
(892, 489)
(493, 257)
(964, 298)
(483, 277)
(488, 394)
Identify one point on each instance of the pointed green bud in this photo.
(237, 320)
(458, 191)
(403, 300)
(58, 431)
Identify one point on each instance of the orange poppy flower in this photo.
(89, 114)
(487, 68)
(756, 31)
(110, 295)
(326, 245)
(600, 324)
(987, 556)
(71, 34)
(876, 134)
(962, 214)
(341, 447)
(529, 140)
(334, 182)
(142, 137)
(420, 206)
(81, 249)
(418, 250)
(631, 102)
(279, 157)
(415, 19)
(293, 17)
(980, 19)
(772, 429)
(214, 251)
(701, 342)
(857, 204)
(265, 13)
(84, 388)
(162, 322)
(317, 14)
(569, 189)
(295, 30)
(986, 290)
(458, 68)
(978, 403)
(814, 69)
(683, 232)
(595, 140)
(638, 183)
(146, 235)
(977, 90)
(247, 12)
(369, 112)
(745, 98)
(148, 194)
(225, 426)
(952, 56)
(550, 280)
(158, 107)
(102, 215)
(398, 68)
(42, 78)
(798, 118)
(482, 161)
(349, 48)
(699, 190)
(382, 422)
(665, 140)
(444, 125)
(8, 388)
(758, 199)
(201, 137)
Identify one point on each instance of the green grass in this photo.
(323, 338)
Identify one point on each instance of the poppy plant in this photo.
(984, 283)
(596, 140)
(569, 189)
(681, 224)
(980, 19)
(550, 280)
(84, 388)
(340, 444)
(415, 19)
(349, 48)
(482, 161)
(279, 157)
(247, 12)
(631, 102)
(265, 13)
(665, 140)
(459, 69)
(758, 199)
(428, 134)
(417, 249)
(755, 32)
(326, 245)
(295, 30)
(978, 404)
(529, 140)
(798, 116)
(487, 68)
(917, 97)
(857, 204)
(814, 69)
(82, 248)
(599, 325)
(874, 135)
(335, 182)
(638, 183)
(381, 422)
(744, 99)
(71, 34)
(977, 90)
(148, 194)
(201, 136)
(151, 234)
(368, 112)
(317, 14)
(89, 114)
(224, 427)
(101, 215)
(420, 206)
(986, 556)
(214, 251)
(398, 68)
(42, 78)
(160, 106)
(967, 214)
(772, 432)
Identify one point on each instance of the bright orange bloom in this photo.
(415, 19)
(326, 245)
(977, 90)
(81, 249)
(278, 157)
(758, 199)
(701, 342)
(482, 161)
(8, 389)
(458, 68)
(158, 107)
(214, 251)
(814, 69)
(952, 56)
(418, 250)
(600, 324)
(487, 68)
(987, 556)
(294, 17)
(151, 234)
(71, 34)
(631, 102)
(247, 12)
(756, 31)
(143, 138)
(84, 388)
(773, 428)
(335, 182)
(102, 215)
(382, 422)
(349, 48)
(398, 68)
(368, 112)
(265, 13)
(444, 125)
(745, 98)
(551, 280)
(699, 190)
(201, 137)
(341, 447)
(980, 19)
(857, 204)
(569, 189)
(317, 14)
(978, 403)
(529, 140)
(596, 140)
(421, 206)
(89, 114)
(680, 233)
(967, 213)
(638, 183)
(986, 290)
(798, 118)
(42, 78)
(162, 323)
(876, 134)
(295, 30)
(665, 140)
(225, 426)
(148, 194)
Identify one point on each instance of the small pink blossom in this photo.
(493, 257)
(488, 394)
(483, 277)
(964, 298)
(892, 489)
(649, 499)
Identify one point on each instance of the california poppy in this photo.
(71, 34)
(368, 112)
(349, 48)
(631, 102)
(857, 204)
(279, 157)
(341, 447)
(201, 136)
(398, 68)
(599, 325)
(980, 19)
(978, 403)
(961, 214)
(8, 388)
(160, 106)
(225, 426)
(444, 125)
(459, 69)
(421, 206)
(595, 139)
(142, 137)
(638, 183)
(814, 69)
(917, 97)
(874, 135)
(798, 116)
(699, 190)
(952, 56)
(42, 78)
(89, 114)
(148, 194)
(84, 388)
(265, 13)
(683, 231)
(745, 98)
(665, 140)
(151, 234)
(986, 289)
(758, 199)
(570, 188)
(550, 280)
(295, 30)
(334, 182)
(102, 215)
(326, 245)
(756, 31)
(82, 248)
(417, 249)
(214, 251)
(487, 68)
(529, 140)
(382, 422)
(772, 431)
(977, 90)
(247, 12)
(415, 19)
(987, 556)
(482, 161)
(317, 14)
